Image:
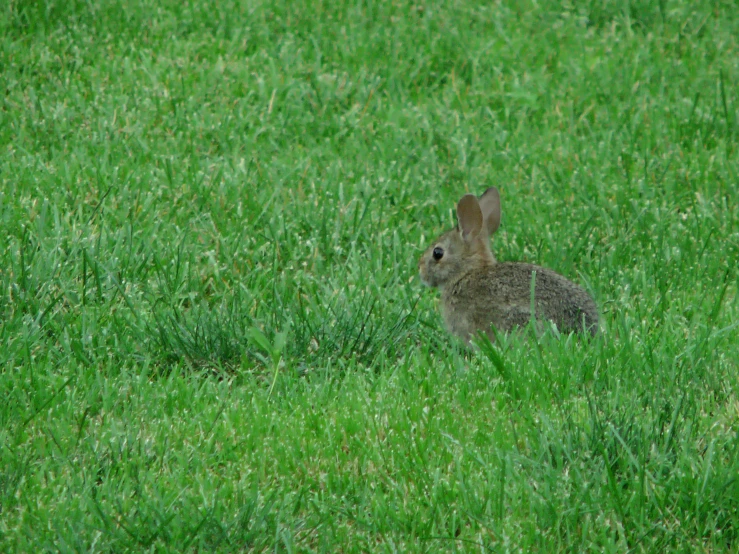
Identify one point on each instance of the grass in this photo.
(212, 335)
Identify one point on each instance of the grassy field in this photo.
(212, 334)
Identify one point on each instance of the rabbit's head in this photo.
(466, 247)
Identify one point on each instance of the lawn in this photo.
(213, 337)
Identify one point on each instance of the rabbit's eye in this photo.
(438, 253)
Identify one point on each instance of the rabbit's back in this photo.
(500, 294)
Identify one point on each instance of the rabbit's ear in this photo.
(469, 216)
(490, 206)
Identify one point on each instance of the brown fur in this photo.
(477, 291)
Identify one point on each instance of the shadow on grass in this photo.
(303, 334)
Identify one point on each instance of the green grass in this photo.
(212, 334)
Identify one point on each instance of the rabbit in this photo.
(479, 293)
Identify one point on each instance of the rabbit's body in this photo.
(500, 294)
(477, 292)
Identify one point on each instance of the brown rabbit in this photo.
(477, 291)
